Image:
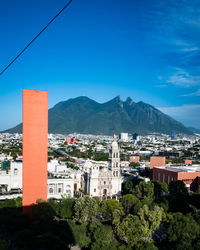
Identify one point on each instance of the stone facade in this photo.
(105, 181)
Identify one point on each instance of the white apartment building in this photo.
(123, 137)
(61, 181)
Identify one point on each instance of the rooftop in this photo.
(182, 168)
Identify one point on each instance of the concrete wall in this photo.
(35, 145)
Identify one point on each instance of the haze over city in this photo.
(148, 50)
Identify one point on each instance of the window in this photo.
(60, 187)
(116, 173)
(94, 189)
(104, 182)
(159, 176)
(113, 173)
(51, 190)
(15, 171)
(163, 178)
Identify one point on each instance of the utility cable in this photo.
(34, 39)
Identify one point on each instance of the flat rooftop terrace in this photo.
(183, 168)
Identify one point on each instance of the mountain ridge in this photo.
(84, 115)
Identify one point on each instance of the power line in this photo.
(34, 39)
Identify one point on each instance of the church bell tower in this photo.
(114, 157)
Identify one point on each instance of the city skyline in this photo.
(146, 50)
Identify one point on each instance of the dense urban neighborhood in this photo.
(106, 192)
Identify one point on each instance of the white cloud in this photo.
(183, 78)
(189, 114)
(175, 26)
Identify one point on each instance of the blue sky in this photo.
(148, 50)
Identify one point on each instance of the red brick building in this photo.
(188, 162)
(71, 140)
(174, 173)
(156, 161)
(134, 158)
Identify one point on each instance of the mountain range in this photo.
(86, 116)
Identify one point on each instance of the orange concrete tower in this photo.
(35, 146)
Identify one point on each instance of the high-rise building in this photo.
(123, 137)
(35, 145)
(172, 135)
(135, 136)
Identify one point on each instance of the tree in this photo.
(146, 245)
(145, 192)
(104, 238)
(134, 164)
(43, 211)
(129, 185)
(129, 230)
(66, 207)
(160, 188)
(55, 205)
(182, 231)
(179, 203)
(130, 203)
(85, 209)
(150, 220)
(177, 188)
(79, 233)
(108, 207)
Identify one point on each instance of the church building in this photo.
(106, 182)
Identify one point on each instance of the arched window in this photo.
(15, 171)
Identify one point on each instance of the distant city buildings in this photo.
(71, 140)
(80, 174)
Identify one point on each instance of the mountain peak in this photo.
(129, 101)
(117, 98)
(84, 115)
